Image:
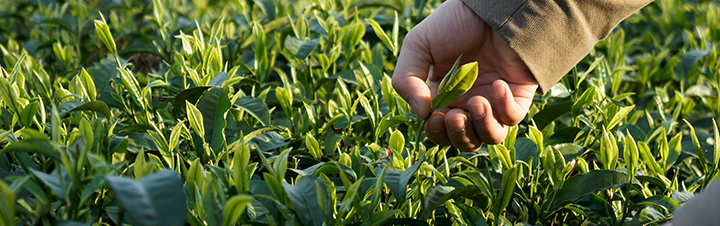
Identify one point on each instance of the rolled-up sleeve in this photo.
(552, 36)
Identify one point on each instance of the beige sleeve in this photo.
(552, 36)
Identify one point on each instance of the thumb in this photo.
(411, 73)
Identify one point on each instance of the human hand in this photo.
(500, 97)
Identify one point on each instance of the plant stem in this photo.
(417, 136)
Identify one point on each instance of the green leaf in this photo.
(54, 182)
(44, 147)
(281, 164)
(313, 146)
(132, 86)
(213, 106)
(129, 51)
(689, 60)
(386, 123)
(397, 181)
(102, 31)
(156, 199)
(353, 34)
(437, 195)
(526, 150)
(256, 107)
(7, 204)
(242, 159)
(381, 34)
(63, 23)
(28, 114)
(698, 149)
(580, 185)
(96, 106)
(472, 216)
(550, 113)
(191, 95)
(300, 49)
(381, 217)
(234, 208)
(305, 196)
(285, 98)
(196, 118)
(506, 190)
(664, 202)
(397, 141)
(620, 115)
(455, 84)
(218, 79)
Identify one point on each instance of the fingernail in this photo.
(435, 126)
(499, 92)
(478, 111)
(458, 121)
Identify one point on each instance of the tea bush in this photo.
(176, 112)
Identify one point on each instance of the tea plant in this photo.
(265, 112)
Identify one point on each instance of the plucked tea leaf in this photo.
(455, 84)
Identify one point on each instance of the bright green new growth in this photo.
(455, 84)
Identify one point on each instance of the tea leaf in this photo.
(102, 31)
(213, 107)
(300, 49)
(381, 34)
(7, 202)
(471, 215)
(305, 197)
(256, 107)
(157, 199)
(455, 84)
(397, 181)
(583, 184)
(234, 208)
(196, 118)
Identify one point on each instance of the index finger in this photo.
(411, 72)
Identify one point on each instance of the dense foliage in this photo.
(274, 112)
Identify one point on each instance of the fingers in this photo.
(486, 125)
(435, 128)
(452, 127)
(508, 110)
(460, 131)
(411, 72)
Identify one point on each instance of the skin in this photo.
(499, 98)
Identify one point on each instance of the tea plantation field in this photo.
(278, 112)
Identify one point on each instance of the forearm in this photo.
(552, 36)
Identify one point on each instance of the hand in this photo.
(500, 97)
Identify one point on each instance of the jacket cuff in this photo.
(552, 36)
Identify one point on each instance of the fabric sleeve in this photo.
(552, 36)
